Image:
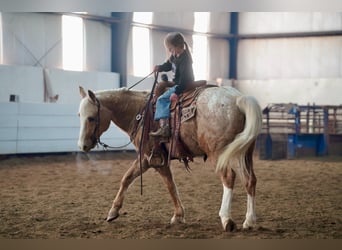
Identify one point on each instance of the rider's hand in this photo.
(156, 69)
(174, 97)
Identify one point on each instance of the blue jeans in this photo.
(163, 104)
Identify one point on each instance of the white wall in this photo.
(297, 70)
(24, 81)
(66, 83)
(35, 39)
(146, 84)
(27, 38)
(36, 85)
(46, 128)
(299, 91)
(32, 126)
(290, 58)
(275, 22)
(183, 20)
(97, 46)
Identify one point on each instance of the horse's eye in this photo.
(91, 119)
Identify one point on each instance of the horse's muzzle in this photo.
(86, 146)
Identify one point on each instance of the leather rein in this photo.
(97, 129)
(138, 121)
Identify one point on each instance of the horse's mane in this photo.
(123, 91)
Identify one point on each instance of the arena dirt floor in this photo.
(69, 195)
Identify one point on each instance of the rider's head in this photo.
(175, 43)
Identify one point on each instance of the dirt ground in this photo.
(69, 195)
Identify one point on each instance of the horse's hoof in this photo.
(230, 226)
(248, 225)
(113, 214)
(177, 220)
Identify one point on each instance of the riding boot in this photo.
(164, 130)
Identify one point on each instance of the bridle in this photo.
(138, 120)
(96, 133)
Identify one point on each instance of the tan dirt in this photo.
(69, 195)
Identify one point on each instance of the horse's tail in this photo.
(237, 149)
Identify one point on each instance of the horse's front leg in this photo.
(132, 173)
(166, 174)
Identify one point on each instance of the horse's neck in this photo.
(124, 106)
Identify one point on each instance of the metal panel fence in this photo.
(46, 128)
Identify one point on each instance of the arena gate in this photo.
(293, 131)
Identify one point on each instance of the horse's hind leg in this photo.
(250, 184)
(132, 173)
(228, 179)
(166, 174)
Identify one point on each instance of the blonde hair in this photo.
(177, 39)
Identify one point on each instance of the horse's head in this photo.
(94, 119)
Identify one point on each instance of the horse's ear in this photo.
(92, 96)
(82, 92)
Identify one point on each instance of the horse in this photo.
(223, 131)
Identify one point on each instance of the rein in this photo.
(140, 119)
(147, 106)
(96, 131)
(140, 81)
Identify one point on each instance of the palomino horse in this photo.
(224, 131)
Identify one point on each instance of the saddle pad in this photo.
(188, 112)
(187, 102)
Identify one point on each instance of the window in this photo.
(200, 56)
(141, 51)
(141, 44)
(201, 21)
(142, 17)
(1, 41)
(73, 47)
(200, 45)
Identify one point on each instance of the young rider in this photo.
(180, 62)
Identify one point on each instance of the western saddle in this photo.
(181, 111)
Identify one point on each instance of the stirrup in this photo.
(159, 140)
(161, 132)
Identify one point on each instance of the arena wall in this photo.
(35, 124)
